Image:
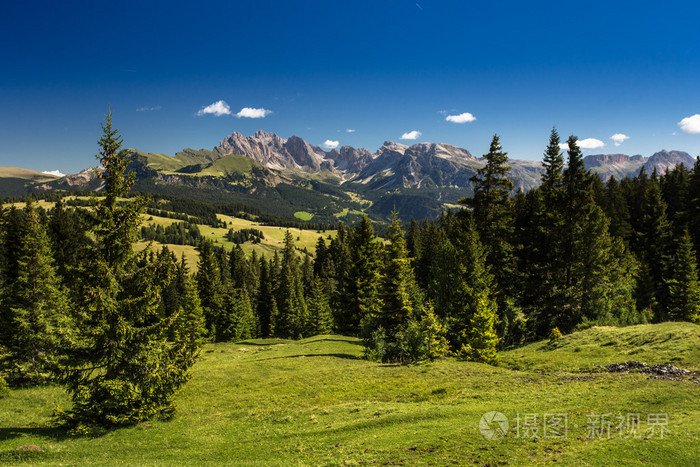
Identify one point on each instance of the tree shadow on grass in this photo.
(334, 355)
(347, 340)
(259, 344)
(51, 432)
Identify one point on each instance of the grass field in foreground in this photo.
(315, 401)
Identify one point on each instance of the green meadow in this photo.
(318, 402)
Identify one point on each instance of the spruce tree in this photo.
(493, 214)
(654, 239)
(236, 320)
(617, 210)
(693, 204)
(684, 287)
(38, 306)
(473, 280)
(121, 369)
(266, 304)
(292, 313)
(361, 292)
(320, 316)
(397, 294)
(209, 285)
(481, 339)
(190, 323)
(67, 233)
(435, 333)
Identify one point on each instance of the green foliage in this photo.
(684, 287)
(121, 368)
(209, 286)
(359, 282)
(320, 315)
(654, 238)
(435, 334)
(4, 388)
(481, 339)
(397, 287)
(291, 318)
(36, 307)
(236, 320)
(555, 334)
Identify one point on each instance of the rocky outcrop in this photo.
(273, 151)
(622, 166)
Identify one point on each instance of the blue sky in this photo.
(382, 68)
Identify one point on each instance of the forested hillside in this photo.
(502, 271)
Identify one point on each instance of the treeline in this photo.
(245, 235)
(507, 269)
(177, 233)
(120, 329)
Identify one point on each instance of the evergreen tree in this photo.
(236, 320)
(292, 317)
(413, 239)
(266, 304)
(481, 339)
(492, 211)
(320, 316)
(67, 233)
(553, 165)
(38, 308)
(435, 333)
(675, 187)
(361, 293)
(684, 287)
(190, 323)
(654, 239)
(339, 252)
(397, 293)
(493, 214)
(209, 285)
(430, 244)
(472, 280)
(617, 210)
(693, 204)
(121, 368)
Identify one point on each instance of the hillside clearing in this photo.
(315, 401)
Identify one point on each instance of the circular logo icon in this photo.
(493, 425)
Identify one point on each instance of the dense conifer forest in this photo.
(121, 329)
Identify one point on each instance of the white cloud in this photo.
(331, 144)
(249, 112)
(588, 143)
(57, 173)
(619, 138)
(415, 134)
(690, 125)
(218, 108)
(466, 117)
(350, 130)
(148, 109)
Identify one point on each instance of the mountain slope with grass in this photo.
(290, 175)
(316, 401)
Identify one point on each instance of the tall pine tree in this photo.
(121, 368)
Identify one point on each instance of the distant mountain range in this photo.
(287, 176)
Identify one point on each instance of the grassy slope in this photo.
(676, 343)
(268, 402)
(273, 237)
(26, 174)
